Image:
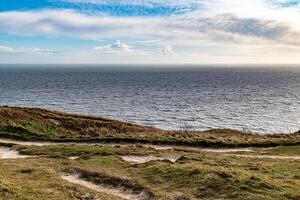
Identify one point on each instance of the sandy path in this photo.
(30, 143)
(75, 179)
(26, 143)
(156, 147)
(7, 153)
(223, 150)
(145, 159)
(267, 156)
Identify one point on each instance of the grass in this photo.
(116, 182)
(68, 150)
(40, 124)
(284, 150)
(193, 176)
(38, 178)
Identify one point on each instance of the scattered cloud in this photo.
(74, 24)
(193, 27)
(217, 28)
(43, 51)
(167, 50)
(228, 27)
(7, 50)
(118, 46)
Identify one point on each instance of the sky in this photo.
(150, 31)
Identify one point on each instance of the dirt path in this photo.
(7, 153)
(75, 179)
(267, 156)
(26, 143)
(225, 150)
(145, 159)
(156, 147)
(30, 143)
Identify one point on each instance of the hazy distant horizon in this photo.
(150, 65)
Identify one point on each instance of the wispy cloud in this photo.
(220, 27)
(226, 27)
(7, 50)
(71, 23)
(167, 50)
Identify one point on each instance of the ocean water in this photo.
(256, 99)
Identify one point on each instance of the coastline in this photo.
(34, 124)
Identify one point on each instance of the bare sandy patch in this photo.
(75, 179)
(269, 156)
(7, 153)
(73, 157)
(145, 159)
(25, 143)
(226, 150)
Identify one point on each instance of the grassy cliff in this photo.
(41, 124)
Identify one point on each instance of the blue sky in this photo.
(149, 31)
(117, 8)
(286, 3)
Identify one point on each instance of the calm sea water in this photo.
(263, 100)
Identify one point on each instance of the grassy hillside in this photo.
(202, 175)
(195, 174)
(41, 124)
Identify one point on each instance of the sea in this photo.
(257, 99)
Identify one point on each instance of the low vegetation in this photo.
(82, 150)
(40, 124)
(193, 176)
(196, 174)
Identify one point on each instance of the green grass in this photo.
(284, 150)
(196, 175)
(193, 176)
(210, 178)
(40, 129)
(39, 178)
(64, 150)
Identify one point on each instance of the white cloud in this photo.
(223, 29)
(7, 50)
(118, 46)
(167, 50)
(43, 51)
(71, 23)
(210, 54)
(191, 27)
